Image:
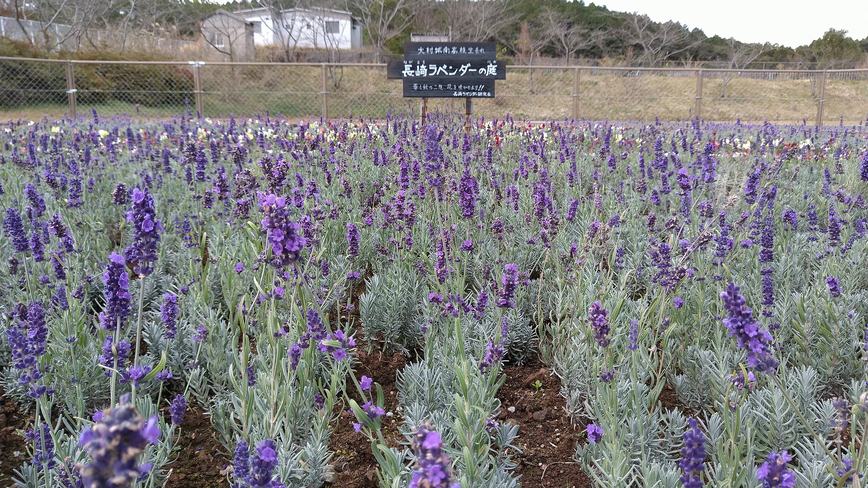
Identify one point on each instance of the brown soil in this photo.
(547, 436)
(354, 465)
(200, 457)
(13, 448)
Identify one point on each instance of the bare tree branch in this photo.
(383, 20)
(658, 41)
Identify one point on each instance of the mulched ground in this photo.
(201, 459)
(546, 435)
(354, 465)
(13, 448)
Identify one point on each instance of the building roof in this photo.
(295, 9)
(231, 15)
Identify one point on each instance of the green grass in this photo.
(296, 92)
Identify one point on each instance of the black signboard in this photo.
(448, 69)
(455, 50)
(449, 89)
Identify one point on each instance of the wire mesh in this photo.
(846, 97)
(138, 89)
(775, 96)
(35, 88)
(32, 86)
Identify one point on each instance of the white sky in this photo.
(787, 22)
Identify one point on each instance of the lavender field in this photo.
(259, 303)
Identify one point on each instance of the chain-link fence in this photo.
(32, 88)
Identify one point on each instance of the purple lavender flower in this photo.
(256, 469)
(115, 442)
(692, 456)
(864, 169)
(43, 446)
(767, 240)
(169, 314)
(27, 341)
(117, 294)
(468, 194)
(59, 299)
(337, 344)
(108, 357)
(352, 239)
(284, 236)
(509, 281)
(633, 336)
(373, 411)
(142, 253)
(774, 473)
(200, 334)
(791, 218)
(177, 409)
(751, 186)
(571, 211)
(241, 464)
(749, 335)
(598, 317)
(36, 246)
(441, 268)
(768, 291)
(14, 227)
(433, 467)
(37, 203)
(120, 195)
(594, 432)
(493, 355)
(135, 374)
(834, 227)
(366, 382)
(834, 286)
(846, 470)
(239, 267)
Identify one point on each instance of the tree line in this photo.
(526, 30)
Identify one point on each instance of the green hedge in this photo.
(26, 83)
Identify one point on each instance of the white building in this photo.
(304, 28)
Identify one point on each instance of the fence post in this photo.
(698, 108)
(197, 88)
(324, 93)
(70, 88)
(576, 77)
(821, 100)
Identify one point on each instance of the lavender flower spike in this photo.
(692, 456)
(433, 467)
(774, 473)
(748, 333)
(117, 293)
(115, 443)
(142, 253)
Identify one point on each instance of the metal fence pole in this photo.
(698, 108)
(324, 93)
(821, 100)
(70, 89)
(197, 88)
(576, 77)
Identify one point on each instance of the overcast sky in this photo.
(787, 22)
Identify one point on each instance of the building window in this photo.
(215, 39)
(332, 27)
(257, 27)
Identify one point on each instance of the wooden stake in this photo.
(468, 109)
(424, 109)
